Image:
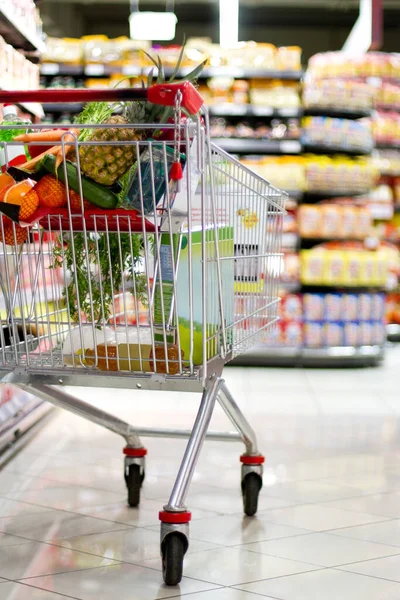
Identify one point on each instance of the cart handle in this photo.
(163, 94)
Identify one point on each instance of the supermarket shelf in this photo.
(93, 70)
(23, 429)
(308, 242)
(16, 35)
(339, 356)
(354, 289)
(393, 332)
(51, 69)
(334, 149)
(252, 146)
(249, 110)
(337, 113)
(315, 195)
(387, 146)
(62, 107)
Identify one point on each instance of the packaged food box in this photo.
(353, 274)
(314, 307)
(333, 334)
(351, 333)
(293, 334)
(335, 268)
(378, 307)
(378, 333)
(350, 309)
(291, 307)
(331, 221)
(366, 333)
(312, 266)
(365, 307)
(333, 307)
(313, 335)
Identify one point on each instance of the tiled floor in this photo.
(328, 527)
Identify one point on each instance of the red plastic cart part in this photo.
(135, 452)
(94, 219)
(252, 460)
(174, 518)
(164, 94)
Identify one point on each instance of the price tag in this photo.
(50, 69)
(130, 70)
(262, 111)
(288, 112)
(290, 146)
(93, 70)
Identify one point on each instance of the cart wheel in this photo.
(173, 551)
(134, 483)
(251, 486)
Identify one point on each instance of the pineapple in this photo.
(107, 164)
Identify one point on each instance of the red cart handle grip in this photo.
(164, 94)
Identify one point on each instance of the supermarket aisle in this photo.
(329, 520)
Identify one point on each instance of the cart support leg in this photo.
(178, 495)
(83, 409)
(234, 413)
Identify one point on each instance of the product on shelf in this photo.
(17, 72)
(277, 129)
(285, 172)
(386, 128)
(393, 308)
(387, 161)
(339, 174)
(387, 96)
(334, 220)
(346, 134)
(344, 264)
(257, 92)
(26, 14)
(343, 64)
(338, 94)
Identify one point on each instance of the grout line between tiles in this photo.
(114, 563)
(282, 576)
(34, 587)
(367, 575)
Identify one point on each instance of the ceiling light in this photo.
(228, 23)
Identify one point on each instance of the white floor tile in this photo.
(53, 525)
(67, 497)
(231, 566)
(133, 545)
(122, 582)
(316, 517)
(326, 584)
(21, 591)
(386, 532)
(225, 594)
(35, 559)
(385, 568)
(322, 549)
(385, 505)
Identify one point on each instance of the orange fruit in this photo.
(13, 237)
(75, 201)
(29, 205)
(16, 193)
(4, 191)
(51, 192)
(6, 180)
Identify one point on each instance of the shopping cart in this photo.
(157, 295)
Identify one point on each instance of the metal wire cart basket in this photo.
(157, 291)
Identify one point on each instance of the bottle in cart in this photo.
(11, 155)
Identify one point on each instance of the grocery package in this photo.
(393, 308)
(334, 220)
(164, 285)
(343, 64)
(337, 134)
(387, 162)
(278, 129)
(387, 96)
(386, 128)
(337, 94)
(340, 174)
(346, 266)
(17, 72)
(286, 172)
(26, 14)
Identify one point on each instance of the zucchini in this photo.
(92, 192)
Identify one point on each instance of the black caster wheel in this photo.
(134, 479)
(251, 486)
(172, 552)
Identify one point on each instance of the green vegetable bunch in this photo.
(98, 264)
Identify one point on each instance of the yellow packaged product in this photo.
(312, 266)
(335, 266)
(353, 272)
(369, 272)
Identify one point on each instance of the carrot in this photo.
(60, 156)
(53, 135)
(29, 166)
